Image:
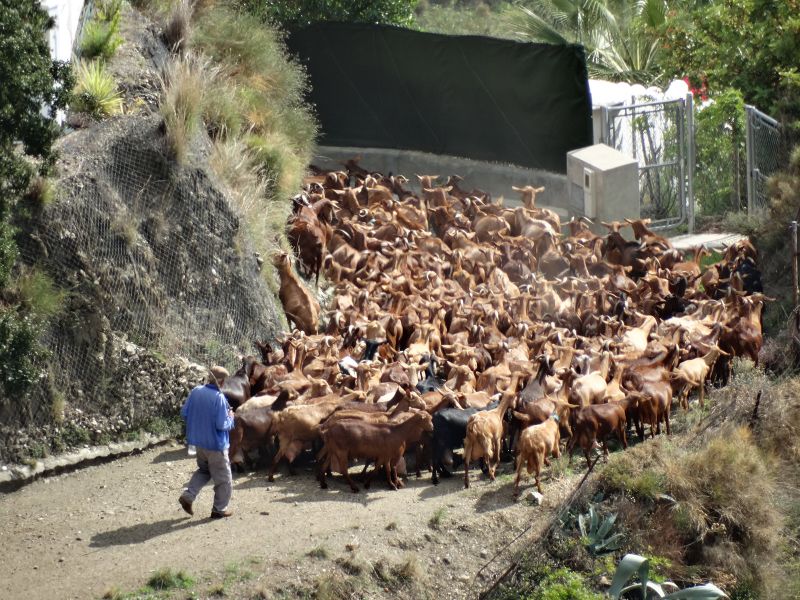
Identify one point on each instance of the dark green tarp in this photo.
(470, 96)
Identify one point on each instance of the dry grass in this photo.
(726, 505)
(177, 28)
(183, 88)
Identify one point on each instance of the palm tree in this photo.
(620, 36)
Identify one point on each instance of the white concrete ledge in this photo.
(712, 241)
(24, 473)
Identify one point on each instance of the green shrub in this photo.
(20, 353)
(101, 37)
(725, 495)
(222, 110)
(542, 581)
(303, 12)
(638, 472)
(269, 85)
(279, 166)
(41, 192)
(719, 135)
(73, 435)
(38, 294)
(8, 252)
(96, 92)
(476, 19)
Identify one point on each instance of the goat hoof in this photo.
(271, 478)
(354, 490)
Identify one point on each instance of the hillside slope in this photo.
(155, 263)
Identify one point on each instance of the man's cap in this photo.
(217, 374)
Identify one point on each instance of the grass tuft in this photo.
(178, 26)
(167, 579)
(101, 37)
(95, 91)
(181, 106)
(38, 294)
(113, 593)
(318, 552)
(435, 522)
(41, 192)
(335, 587)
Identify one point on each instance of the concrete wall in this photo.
(494, 178)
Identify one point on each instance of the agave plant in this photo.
(96, 92)
(595, 533)
(633, 564)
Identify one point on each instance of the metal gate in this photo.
(660, 135)
(765, 155)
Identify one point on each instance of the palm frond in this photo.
(653, 13)
(531, 26)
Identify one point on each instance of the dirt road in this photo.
(80, 534)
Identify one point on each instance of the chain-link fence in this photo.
(766, 154)
(154, 265)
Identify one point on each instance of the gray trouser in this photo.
(212, 464)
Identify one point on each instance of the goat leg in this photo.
(520, 463)
(346, 473)
(274, 466)
(467, 459)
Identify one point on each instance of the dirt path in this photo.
(77, 535)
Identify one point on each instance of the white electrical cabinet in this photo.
(603, 184)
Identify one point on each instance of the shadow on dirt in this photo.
(304, 487)
(172, 455)
(142, 532)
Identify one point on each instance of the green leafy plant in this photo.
(38, 294)
(720, 176)
(20, 353)
(634, 565)
(304, 12)
(96, 91)
(101, 37)
(595, 532)
(748, 45)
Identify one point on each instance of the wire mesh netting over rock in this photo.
(158, 276)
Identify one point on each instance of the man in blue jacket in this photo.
(209, 418)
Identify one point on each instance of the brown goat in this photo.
(383, 443)
(298, 303)
(536, 443)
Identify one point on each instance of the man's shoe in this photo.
(186, 505)
(221, 514)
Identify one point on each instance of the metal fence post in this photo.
(749, 153)
(604, 135)
(690, 148)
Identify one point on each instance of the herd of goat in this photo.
(456, 321)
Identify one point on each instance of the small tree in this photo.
(749, 45)
(30, 80)
(720, 174)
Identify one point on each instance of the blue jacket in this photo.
(207, 422)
